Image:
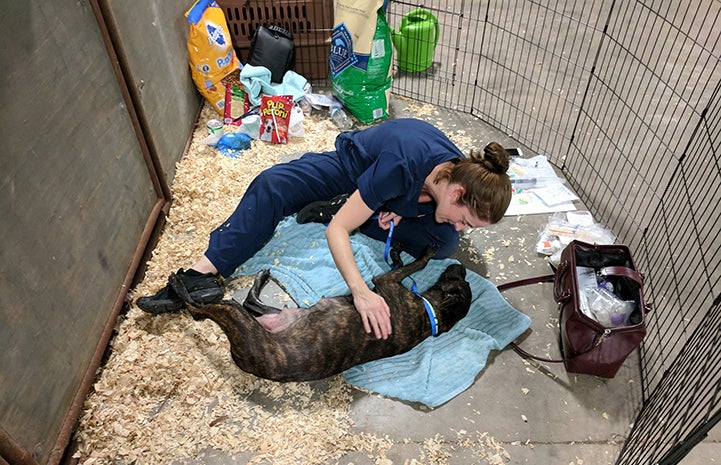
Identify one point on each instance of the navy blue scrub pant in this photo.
(284, 189)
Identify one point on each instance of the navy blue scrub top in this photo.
(392, 160)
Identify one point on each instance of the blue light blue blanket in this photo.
(256, 81)
(432, 373)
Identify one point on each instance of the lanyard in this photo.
(414, 288)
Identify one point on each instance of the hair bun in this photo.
(494, 157)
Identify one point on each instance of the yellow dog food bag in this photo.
(210, 51)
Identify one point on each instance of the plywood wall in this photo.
(83, 158)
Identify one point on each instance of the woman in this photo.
(404, 170)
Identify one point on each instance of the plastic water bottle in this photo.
(341, 119)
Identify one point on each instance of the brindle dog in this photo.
(314, 343)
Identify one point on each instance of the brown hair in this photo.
(483, 175)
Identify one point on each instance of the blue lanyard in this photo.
(429, 308)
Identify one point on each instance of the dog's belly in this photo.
(276, 322)
(289, 316)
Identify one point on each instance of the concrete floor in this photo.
(538, 413)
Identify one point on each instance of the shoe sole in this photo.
(158, 307)
(320, 211)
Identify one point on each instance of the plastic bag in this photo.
(232, 144)
(562, 228)
(250, 125)
(361, 54)
(210, 51)
(295, 127)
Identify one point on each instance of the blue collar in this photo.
(431, 313)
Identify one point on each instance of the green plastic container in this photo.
(416, 40)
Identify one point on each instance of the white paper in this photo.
(555, 194)
(583, 218)
(527, 203)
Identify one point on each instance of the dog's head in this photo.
(450, 297)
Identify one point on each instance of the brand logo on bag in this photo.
(277, 108)
(215, 34)
(226, 60)
(341, 50)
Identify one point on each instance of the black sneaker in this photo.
(321, 211)
(203, 288)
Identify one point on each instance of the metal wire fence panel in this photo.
(623, 96)
(449, 80)
(638, 153)
(685, 404)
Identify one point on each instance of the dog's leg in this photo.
(395, 254)
(252, 302)
(250, 347)
(397, 275)
(250, 344)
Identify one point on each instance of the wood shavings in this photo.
(489, 254)
(434, 450)
(169, 389)
(486, 447)
(418, 109)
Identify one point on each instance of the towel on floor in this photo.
(433, 372)
(256, 81)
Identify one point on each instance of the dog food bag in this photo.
(210, 51)
(361, 54)
(275, 118)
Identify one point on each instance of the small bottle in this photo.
(340, 118)
(305, 106)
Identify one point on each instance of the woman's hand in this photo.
(374, 312)
(385, 218)
(372, 308)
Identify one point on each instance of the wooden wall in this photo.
(96, 107)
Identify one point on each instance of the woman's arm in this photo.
(372, 308)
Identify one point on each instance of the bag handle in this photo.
(277, 30)
(525, 282)
(560, 295)
(546, 279)
(623, 271)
